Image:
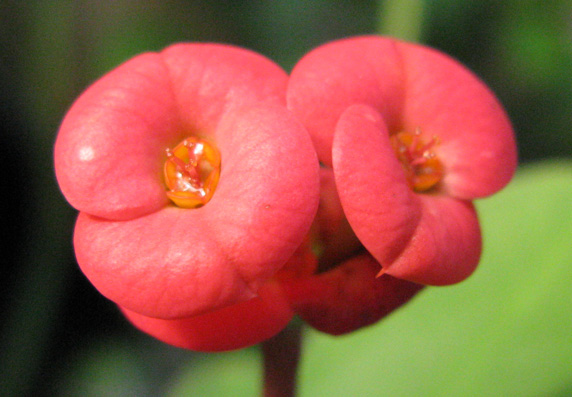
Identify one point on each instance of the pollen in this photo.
(419, 160)
(192, 171)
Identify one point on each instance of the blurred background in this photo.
(505, 331)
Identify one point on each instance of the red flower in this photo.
(411, 136)
(195, 186)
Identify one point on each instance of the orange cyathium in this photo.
(192, 171)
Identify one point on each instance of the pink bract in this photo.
(348, 297)
(155, 260)
(352, 95)
(232, 327)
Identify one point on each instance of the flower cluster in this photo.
(219, 196)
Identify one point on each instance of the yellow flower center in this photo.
(420, 163)
(192, 171)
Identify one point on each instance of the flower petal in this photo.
(110, 147)
(423, 238)
(446, 246)
(377, 200)
(412, 87)
(160, 265)
(445, 99)
(178, 262)
(336, 75)
(269, 188)
(232, 327)
(348, 297)
(208, 79)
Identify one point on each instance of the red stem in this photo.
(281, 356)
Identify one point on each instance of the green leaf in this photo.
(237, 373)
(507, 330)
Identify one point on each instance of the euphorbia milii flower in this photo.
(195, 185)
(412, 137)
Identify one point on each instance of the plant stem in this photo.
(402, 19)
(281, 357)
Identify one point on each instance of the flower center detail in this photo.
(422, 166)
(192, 171)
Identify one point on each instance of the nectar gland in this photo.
(192, 171)
(422, 166)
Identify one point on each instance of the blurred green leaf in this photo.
(402, 19)
(505, 331)
(237, 373)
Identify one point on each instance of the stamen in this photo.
(420, 163)
(191, 172)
